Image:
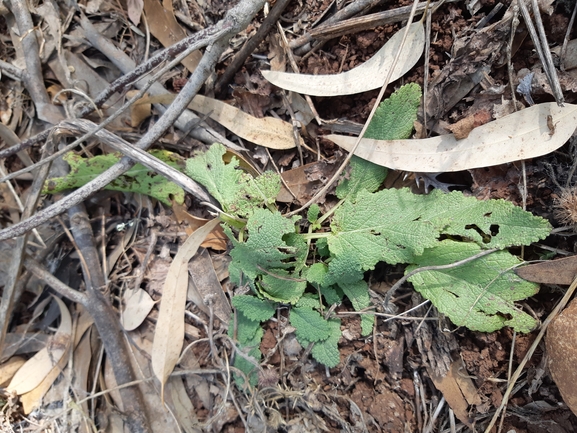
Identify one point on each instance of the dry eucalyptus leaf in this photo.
(137, 305)
(268, 131)
(169, 332)
(205, 287)
(368, 76)
(528, 133)
(9, 368)
(37, 368)
(165, 28)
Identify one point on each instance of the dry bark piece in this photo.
(561, 344)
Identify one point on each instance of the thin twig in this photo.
(566, 298)
(106, 321)
(10, 295)
(541, 46)
(144, 87)
(566, 39)
(239, 16)
(344, 164)
(33, 78)
(75, 126)
(250, 45)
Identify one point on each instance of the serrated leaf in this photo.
(138, 179)
(248, 332)
(327, 351)
(220, 180)
(479, 295)
(264, 248)
(491, 223)
(281, 286)
(358, 294)
(313, 213)
(383, 226)
(253, 308)
(396, 115)
(236, 191)
(308, 300)
(316, 273)
(367, 323)
(247, 367)
(363, 175)
(332, 294)
(393, 120)
(396, 226)
(310, 325)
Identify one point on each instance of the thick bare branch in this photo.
(238, 17)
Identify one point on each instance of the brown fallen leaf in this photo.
(204, 288)
(560, 271)
(305, 181)
(165, 28)
(37, 368)
(169, 332)
(215, 240)
(268, 131)
(459, 390)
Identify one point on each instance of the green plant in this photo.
(272, 254)
(314, 264)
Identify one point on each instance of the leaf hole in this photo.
(494, 228)
(484, 236)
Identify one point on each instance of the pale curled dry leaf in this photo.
(521, 135)
(368, 76)
(267, 131)
(137, 305)
(37, 368)
(169, 332)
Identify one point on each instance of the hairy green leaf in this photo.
(310, 325)
(382, 226)
(327, 351)
(396, 226)
(247, 331)
(491, 223)
(265, 250)
(253, 308)
(367, 323)
(394, 118)
(363, 175)
(236, 191)
(308, 300)
(138, 179)
(480, 294)
(249, 335)
(282, 286)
